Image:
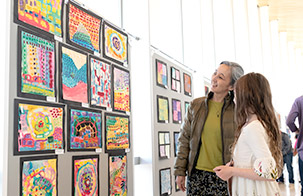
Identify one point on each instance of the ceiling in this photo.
(289, 14)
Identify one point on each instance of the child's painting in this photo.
(164, 145)
(187, 84)
(100, 87)
(39, 175)
(176, 111)
(161, 74)
(85, 175)
(84, 129)
(115, 44)
(117, 132)
(186, 105)
(36, 65)
(162, 109)
(38, 127)
(42, 14)
(73, 76)
(176, 137)
(84, 28)
(165, 182)
(121, 90)
(117, 175)
(175, 80)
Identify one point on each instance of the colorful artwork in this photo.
(162, 103)
(121, 90)
(39, 176)
(115, 44)
(84, 129)
(161, 71)
(187, 84)
(175, 80)
(86, 175)
(117, 132)
(74, 75)
(165, 182)
(176, 110)
(45, 15)
(100, 83)
(186, 105)
(164, 145)
(40, 127)
(117, 175)
(176, 137)
(84, 28)
(37, 64)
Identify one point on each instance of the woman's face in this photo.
(221, 79)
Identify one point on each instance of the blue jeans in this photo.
(287, 159)
(301, 174)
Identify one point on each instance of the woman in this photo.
(257, 156)
(206, 135)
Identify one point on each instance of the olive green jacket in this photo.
(189, 141)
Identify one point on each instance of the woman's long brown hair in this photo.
(253, 96)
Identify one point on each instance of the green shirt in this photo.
(211, 148)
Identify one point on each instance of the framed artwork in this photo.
(186, 105)
(176, 111)
(117, 175)
(36, 65)
(162, 109)
(164, 144)
(176, 137)
(161, 74)
(84, 129)
(40, 15)
(175, 79)
(39, 175)
(83, 28)
(121, 88)
(73, 77)
(115, 44)
(85, 180)
(207, 85)
(38, 127)
(165, 182)
(100, 83)
(187, 84)
(177, 188)
(117, 132)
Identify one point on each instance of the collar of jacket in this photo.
(229, 97)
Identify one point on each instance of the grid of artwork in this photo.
(164, 145)
(117, 175)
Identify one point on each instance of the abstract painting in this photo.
(164, 145)
(85, 175)
(187, 84)
(176, 111)
(73, 76)
(117, 175)
(83, 28)
(175, 80)
(161, 74)
(115, 44)
(165, 182)
(121, 90)
(36, 70)
(38, 127)
(186, 105)
(84, 129)
(100, 86)
(117, 132)
(39, 175)
(176, 137)
(162, 109)
(42, 14)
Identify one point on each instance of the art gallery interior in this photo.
(163, 57)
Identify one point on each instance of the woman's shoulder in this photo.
(253, 128)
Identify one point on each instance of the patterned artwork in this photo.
(39, 176)
(176, 137)
(83, 28)
(100, 83)
(176, 110)
(117, 132)
(85, 175)
(161, 71)
(187, 84)
(37, 64)
(162, 109)
(39, 127)
(117, 175)
(45, 15)
(186, 105)
(165, 182)
(175, 80)
(84, 129)
(121, 90)
(164, 145)
(74, 75)
(115, 44)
